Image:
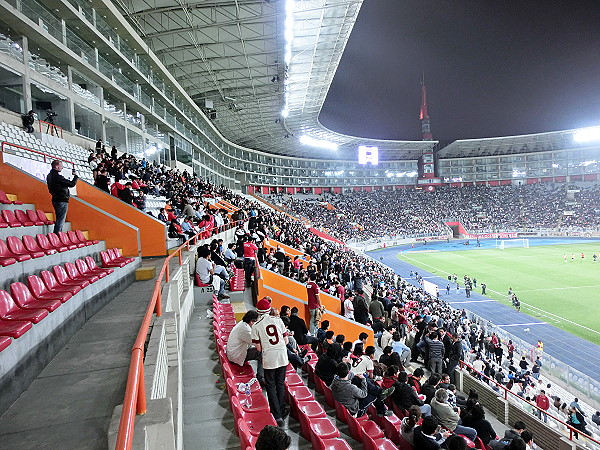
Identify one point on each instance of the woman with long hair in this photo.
(409, 423)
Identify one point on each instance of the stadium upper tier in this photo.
(145, 85)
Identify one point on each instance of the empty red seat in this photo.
(118, 257)
(378, 444)
(42, 216)
(33, 217)
(45, 243)
(84, 270)
(53, 285)
(107, 260)
(258, 402)
(5, 200)
(10, 218)
(247, 439)
(32, 246)
(22, 296)
(300, 393)
(41, 292)
(15, 245)
(22, 217)
(55, 242)
(82, 238)
(63, 278)
(255, 421)
(66, 240)
(14, 328)
(75, 239)
(5, 341)
(322, 428)
(332, 444)
(9, 310)
(6, 253)
(3, 223)
(238, 373)
(306, 410)
(75, 275)
(94, 267)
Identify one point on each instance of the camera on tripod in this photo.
(50, 115)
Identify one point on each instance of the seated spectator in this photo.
(404, 396)
(390, 358)
(322, 330)
(162, 216)
(239, 344)
(363, 362)
(509, 435)
(476, 419)
(357, 393)
(426, 435)
(456, 442)
(449, 417)
(205, 269)
(414, 380)
(430, 387)
(399, 347)
(326, 367)
(175, 231)
(407, 427)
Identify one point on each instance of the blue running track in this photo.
(575, 352)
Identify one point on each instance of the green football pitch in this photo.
(566, 295)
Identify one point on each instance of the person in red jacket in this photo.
(543, 403)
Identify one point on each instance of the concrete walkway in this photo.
(69, 405)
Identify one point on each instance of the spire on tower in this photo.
(424, 116)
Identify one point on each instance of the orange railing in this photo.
(134, 401)
(508, 392)
(45, 155)
(51, 128)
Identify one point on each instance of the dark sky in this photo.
(492, 68)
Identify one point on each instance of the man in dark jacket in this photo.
(299, 329)
(454, 356)
(58, 186)
(404, 396)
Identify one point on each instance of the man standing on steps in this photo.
(314, 302)
(270, 337)
(58, 186)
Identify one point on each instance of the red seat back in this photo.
(60, 274)
(64, 238)
(105, 257)
(114, 253)
(91, 263)
(44, 242)
(16, 246)
(74, 238)
(36, 285)
(82, 267)
(4, 198)
(21, 294)
(3, 223)
(30, 244)
(80, 235)
(33, 217)
(42, 216)
(22, 217)
(54, 241)
(7, 304)
(72, 271)
(4, 250)
(49, 279)
(10, 218)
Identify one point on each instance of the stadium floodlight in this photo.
(587, 135)
(367, 154)
(412, 174)
(327, 145)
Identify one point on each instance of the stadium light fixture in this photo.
(587, 135)
(290, 6)
(320, 143)
(412, 174)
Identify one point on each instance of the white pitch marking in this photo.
(522, 324)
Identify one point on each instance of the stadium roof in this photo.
(233, 53)
(507, 145)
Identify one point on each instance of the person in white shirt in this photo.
(239, 345)
(205, 269)
(349, 307)
(364, 363)
(269, 335)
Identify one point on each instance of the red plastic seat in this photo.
(63, 240)
(238, 373)
(10, 218)
(22, 217)
(5, 341)
(391, 428)
(84, 270)
(300, 393)
(32, 246)
(3, 223)
(378, 444)
(258, 402)
(319, 384)
(6, 253)
(16, 246)
(54, 286)
(293, 379)
(44, 243)
(306, 410)
(55, 243)
(75, 275)
(107, 260)
(116, 256)
(6, 201)
(42, 216)
(322, 428)
(331, 444)
(7, 260)
(75, 239)
(66, 240)
(14, 328)
(82, 238)
(39, 290)
(255, 421)
(404, 444)
(63, 278)
(94, 267)
(22, 296)
(9, 310)
(33, 217)
(328, 395)
(247, 439)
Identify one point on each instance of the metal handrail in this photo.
(50, 127)
(508, 391)
(45, 155)
(134, 401)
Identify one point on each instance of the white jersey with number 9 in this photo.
(270, 332)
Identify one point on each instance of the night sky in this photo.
(492, 68)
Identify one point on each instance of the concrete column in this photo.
(70, 101)
(26, 75)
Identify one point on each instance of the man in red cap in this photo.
(269, 335)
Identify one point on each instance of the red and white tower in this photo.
(424, 116)
(427, 159)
